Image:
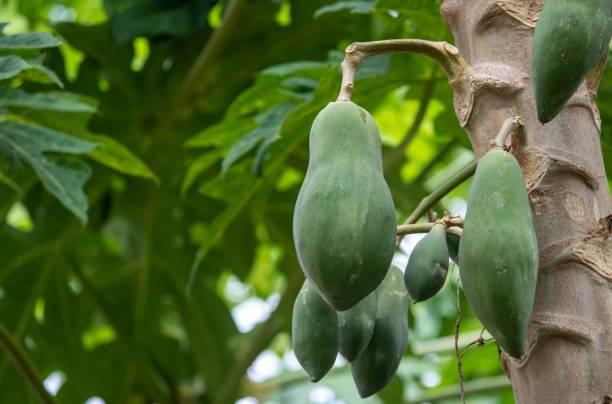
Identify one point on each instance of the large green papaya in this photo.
(357, 327)
(344, 224)
(498, 251)
(314, 332)
(375, 366)
(427, 266)
(570, 38)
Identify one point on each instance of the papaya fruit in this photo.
(357, 326)
(570, 37)
(375, 367)
(314, 332)
(344, 223)
(498, 251)
(452, 242)
(427, 266)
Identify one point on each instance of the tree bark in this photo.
(569, 355)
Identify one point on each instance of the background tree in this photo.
(162, 269)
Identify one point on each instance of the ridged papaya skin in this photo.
(314, 332)
(427, 266)
(375, 366)
(357, 327)
(498, 252)
(570, 38)
(344, 222)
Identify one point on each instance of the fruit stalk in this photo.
(445, 54)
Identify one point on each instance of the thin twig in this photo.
(510, 125)
(444, 53)
(454, 226)
(430, 200)
(457, 353)
(23, 364)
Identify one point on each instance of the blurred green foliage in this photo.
(149, 171)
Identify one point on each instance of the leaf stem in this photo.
(23, 364)
(445, 54)
(430, 200)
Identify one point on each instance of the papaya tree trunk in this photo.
(569, 355)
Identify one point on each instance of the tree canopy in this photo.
(151, 156)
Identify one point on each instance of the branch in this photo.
(510, 125)
(445, 54)
(430, 200)
(24, 366)
(454, 227)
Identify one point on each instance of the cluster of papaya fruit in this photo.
(354, 302)
(570, 38)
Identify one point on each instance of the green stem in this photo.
(24, 366)
(446, 55)
(430, 200)
(426, 227)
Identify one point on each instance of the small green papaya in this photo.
(375, 366)
(344, 223)
(498, 251)
(314, 332)
(570, 37)
(452, 241)
(357, 327)
(427, 266)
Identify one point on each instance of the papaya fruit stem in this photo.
(445, 54)
(453, 227)
(509, 126)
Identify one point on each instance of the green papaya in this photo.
(314, 332)
(498, 251)
(570, 38)
(375, 366)
(357, 327)
(427, 266)
(344, 223)
(452, 241)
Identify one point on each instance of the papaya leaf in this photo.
(218, 135)
(196, 168)
(355, 7)
(28, 69)
(27, 40)
(50, 101)
(115, 155)
(62, 176)
(268, 131)
(108, 152)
